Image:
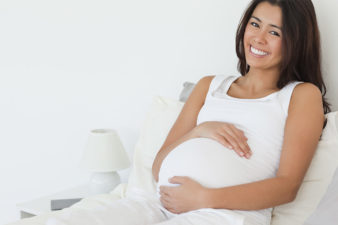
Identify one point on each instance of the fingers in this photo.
(164, 194)
(164, 190)
(238, 147)
(234, 137)
(166, 202)
(178, 179)
(223, 141)
(241, 140)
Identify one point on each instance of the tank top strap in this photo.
(285, 95)
(217, 82)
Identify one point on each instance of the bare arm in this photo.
(301, 136)
(186, 121)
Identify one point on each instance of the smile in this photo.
(257, 52)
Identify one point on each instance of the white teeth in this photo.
(258, 52)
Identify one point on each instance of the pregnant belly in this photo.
(211, 164)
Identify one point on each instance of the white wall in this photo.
(69, 66)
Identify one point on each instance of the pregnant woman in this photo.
(241, 144)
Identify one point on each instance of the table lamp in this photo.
(104, 154)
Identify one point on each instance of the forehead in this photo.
(267, 13)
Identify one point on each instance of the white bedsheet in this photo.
(141, 208)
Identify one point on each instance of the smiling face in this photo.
(263, 37)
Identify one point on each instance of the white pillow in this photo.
(326, 212)
(162, 116)
(159, 120)
(316, 181)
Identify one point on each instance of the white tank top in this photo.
(262, 119)
(212, 164)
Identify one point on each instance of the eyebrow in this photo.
(259, 20)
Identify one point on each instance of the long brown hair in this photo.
(301, 53)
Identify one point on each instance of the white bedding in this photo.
(141, 208)
(158, 122)
(86, 204)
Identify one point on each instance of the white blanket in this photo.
(140, 208)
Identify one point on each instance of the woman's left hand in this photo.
(189, 195)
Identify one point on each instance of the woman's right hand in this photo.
(226, 134)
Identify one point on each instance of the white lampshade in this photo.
(104, 152)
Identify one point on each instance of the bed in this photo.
(316, 201)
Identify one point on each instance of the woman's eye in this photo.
(275, 33)
(254, 24)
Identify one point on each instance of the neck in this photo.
(257, 80)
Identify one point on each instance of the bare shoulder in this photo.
(205, 81)
(200, 90)
(306, 89)
(306, 96)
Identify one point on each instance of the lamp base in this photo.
(103, 182)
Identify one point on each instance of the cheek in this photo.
(247, 35)
(246, 40)
(278, 47)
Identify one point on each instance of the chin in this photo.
(254, 63)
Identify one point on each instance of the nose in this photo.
(260, 38)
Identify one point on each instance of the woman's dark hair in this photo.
(301, 56)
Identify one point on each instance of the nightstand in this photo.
(42, 205)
